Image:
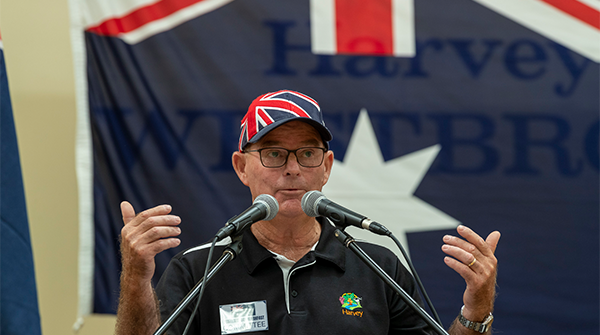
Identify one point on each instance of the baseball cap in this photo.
(273, 109)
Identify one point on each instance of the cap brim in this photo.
(323, 131)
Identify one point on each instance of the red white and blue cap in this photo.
(273, 109)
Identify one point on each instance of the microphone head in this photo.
(310, 201)
(272, 206)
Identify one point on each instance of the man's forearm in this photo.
(138, 312)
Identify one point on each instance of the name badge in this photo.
(244, 317)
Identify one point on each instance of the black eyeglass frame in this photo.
(288, 156)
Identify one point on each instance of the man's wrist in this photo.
(481, 326)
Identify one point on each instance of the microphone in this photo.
(315, 203)
(264, 207)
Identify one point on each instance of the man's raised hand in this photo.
(473, 258)
(145, 235)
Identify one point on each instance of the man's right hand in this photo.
(144, 236)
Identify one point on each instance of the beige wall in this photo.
(40, 73)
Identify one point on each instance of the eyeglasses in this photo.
(309, 157)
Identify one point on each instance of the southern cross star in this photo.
(383, 191)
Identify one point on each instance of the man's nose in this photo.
(292, 163)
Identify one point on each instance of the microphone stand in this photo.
(349, 242)
(228, 254)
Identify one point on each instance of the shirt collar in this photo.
(328, 249)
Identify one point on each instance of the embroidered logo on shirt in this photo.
(350, 302)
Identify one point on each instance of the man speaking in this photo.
(292, 277)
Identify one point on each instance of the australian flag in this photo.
(19, 313)
(480, 112)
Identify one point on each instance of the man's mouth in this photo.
(291, 190)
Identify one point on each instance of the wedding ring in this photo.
(473, 262)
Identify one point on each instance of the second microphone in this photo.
(315, 203)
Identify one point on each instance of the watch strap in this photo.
(480, 327)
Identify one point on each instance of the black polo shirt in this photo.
(319, 284)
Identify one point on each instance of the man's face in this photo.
(289, 182)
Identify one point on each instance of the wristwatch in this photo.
(481, 327)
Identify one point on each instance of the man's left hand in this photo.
(473, 258)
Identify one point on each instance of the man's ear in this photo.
(327, 164)
(238, 160)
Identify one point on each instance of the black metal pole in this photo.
(228, 254)
(349, 242)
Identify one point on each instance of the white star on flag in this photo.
(383, 191)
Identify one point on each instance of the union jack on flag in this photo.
(267, 110)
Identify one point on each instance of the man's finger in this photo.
(475, 239)
(127, 211)
(492, 240)
(164, 244)
(462, 269)
(460, 254)
(129, 216)
(460, 243)
(157, 233)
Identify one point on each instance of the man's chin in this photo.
(291, 208)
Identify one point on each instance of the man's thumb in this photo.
(127, 211)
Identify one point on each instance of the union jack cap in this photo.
(273, 109)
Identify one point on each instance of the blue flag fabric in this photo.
(19, 313)
(516, 115)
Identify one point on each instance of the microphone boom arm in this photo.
(228, 254)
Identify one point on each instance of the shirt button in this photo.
(294, 293)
